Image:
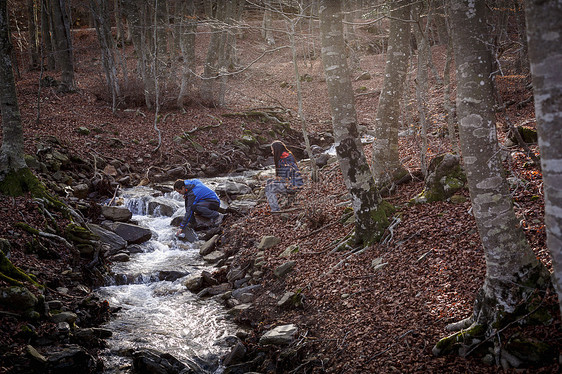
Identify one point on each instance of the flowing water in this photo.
(162, 314)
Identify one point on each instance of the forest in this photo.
(426, 237)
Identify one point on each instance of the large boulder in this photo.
(161, 207)
(72, 359)
(116, 213)
(115, 242)
(231, 188)
(133, 234)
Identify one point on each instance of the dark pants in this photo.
(207, 208)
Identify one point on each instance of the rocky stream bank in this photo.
(50, 312)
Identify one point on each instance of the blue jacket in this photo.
(288, 172)
(196, 192)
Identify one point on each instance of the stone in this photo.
(149, 361)
(116, 213)
(444, 178)
(120, 257)
(17, 298)
(160, 207)
(110, 238)
(54, 304)
(231, 188)
(133, 234)
(292, 249)
(170, 275)
(290, 300)
(364, 76)
(235, 273)
(82, 130)
(194, 283)
(35, 355)
(268, 242)
(235, 355)
(280, 335)
(208, 279)
(242, 206)
(68, 317)
(246, 294)
(209, 246)
(63, 328)
(239, 309)
(214, 256)
(215, 290)
(284, 269)
(71, 359)
(81, 190)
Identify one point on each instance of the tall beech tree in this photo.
(368, 207)
(11, 156)
(63, 41)
(386, 161)
(515, 278)
(545, 56)
(15, 177)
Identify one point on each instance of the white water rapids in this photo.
(160, 314)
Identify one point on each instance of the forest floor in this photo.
(354, 319)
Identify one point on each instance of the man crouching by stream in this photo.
(200, 200)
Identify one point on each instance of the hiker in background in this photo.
(287, 179)
(199, 199)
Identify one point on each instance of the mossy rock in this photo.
(82, 130)
(80, 235)
(249, 140)
(531, 351)
(529, 135)
(445, 178)
(32, 162)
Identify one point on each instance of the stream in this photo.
(162, 314)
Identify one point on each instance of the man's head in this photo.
(179, 186)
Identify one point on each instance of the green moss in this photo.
(248, 139)
(464, 337)
(17, 183)
(24, 226)
(10, 273)
(79, 235)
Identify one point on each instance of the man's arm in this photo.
(189, 200)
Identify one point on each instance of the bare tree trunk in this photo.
(138, 19)
(103, 29)
(543, 18)
(314, 174)
(47, 34)
(64, 45)
(11, 155)
(422, 77)
(451, 115)
(118, 22)
(33, 33)
(187, 31)
(267, 24)
(386, 160)
(211, 69)
(368, 207)
(513, 273)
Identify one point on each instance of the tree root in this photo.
(11, 273)
(464, 338)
